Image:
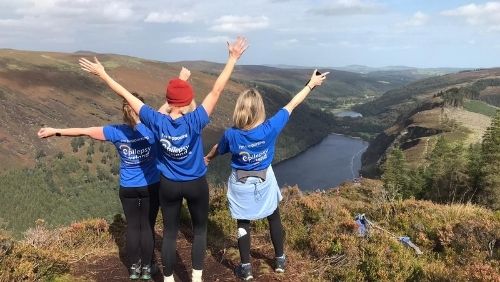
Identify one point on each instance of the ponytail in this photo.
(128, 113)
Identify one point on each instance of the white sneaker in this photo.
(196, 276)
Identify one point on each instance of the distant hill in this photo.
(422, 71)
(341, 87)
(402, 100)
(418, 114)
(366, 69)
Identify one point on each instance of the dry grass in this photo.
(458, 241)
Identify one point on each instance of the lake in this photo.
(348, 114)
(336, 159)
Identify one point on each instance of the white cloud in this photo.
(418, 19)
(194, 40)
(348, 44)
(349, 7)
(392, 47)
(237, 24)
(485, 15)
(287, 42)
(78, 11)
(117, 11)
(168, 17)
(342, 44)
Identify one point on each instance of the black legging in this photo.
(154, 206)
(276, 230)
(138, 206)
(171, 195)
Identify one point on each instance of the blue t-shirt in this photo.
(253, 149)
(181, 153)
(138, 154)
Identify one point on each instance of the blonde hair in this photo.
(128, 113)
(249, 110)
(183, 110)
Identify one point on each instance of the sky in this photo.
(419, 33)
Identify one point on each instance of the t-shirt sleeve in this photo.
(198, 118)
(150, 118)
(110, 133)
(223, 144)
(279, 120)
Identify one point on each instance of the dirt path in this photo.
(218, 267)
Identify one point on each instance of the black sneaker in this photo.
(146, 272)
(244, 271)
(135, 271)
(280, 264)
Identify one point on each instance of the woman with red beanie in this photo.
(181, 159)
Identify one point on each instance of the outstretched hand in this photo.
(94, 68)
(184, 74)
(45, 132)
(237, 48)
(206, 159)
(317, 79)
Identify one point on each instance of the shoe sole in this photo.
(247, 278)
(279, 270)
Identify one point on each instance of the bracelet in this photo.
(58, 134)
(310, 88)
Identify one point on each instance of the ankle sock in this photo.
(196, 276)
(168, 278)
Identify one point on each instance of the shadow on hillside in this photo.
(217, 244)
(216, 241)
(260, 256)
(117, 229)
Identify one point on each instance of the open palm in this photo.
(237, 48)
(92, 67)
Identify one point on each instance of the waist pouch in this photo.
(242, 175)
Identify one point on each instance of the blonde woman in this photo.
(139, 182)
(181, 156)
(253, 191)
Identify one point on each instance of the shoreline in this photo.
(315, 144)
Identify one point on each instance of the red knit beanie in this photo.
(179, 93)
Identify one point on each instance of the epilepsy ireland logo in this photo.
(247, 157)
(174, 152)
(134, 156)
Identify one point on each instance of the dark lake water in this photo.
(336, 159)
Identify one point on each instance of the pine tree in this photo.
(436, 170)
(490, 188)
(395, 176)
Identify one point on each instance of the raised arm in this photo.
(92, 132)
(316, 80)
(183, 75)
(236, 49)
(163, 108)
(98, 69)
(212, 154)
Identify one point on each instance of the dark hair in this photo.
(128, 113)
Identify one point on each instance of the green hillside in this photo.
(71, 179)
